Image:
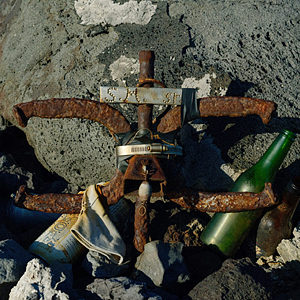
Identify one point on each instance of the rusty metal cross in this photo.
(143, 153)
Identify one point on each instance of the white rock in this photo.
(40, 282)
(94, 12)
(123, 67)
(289, 250)
(203, 84)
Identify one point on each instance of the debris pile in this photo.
(169, 215)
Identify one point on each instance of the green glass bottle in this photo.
(226, 231)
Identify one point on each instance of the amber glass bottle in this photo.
(276, 224)
(226, 231)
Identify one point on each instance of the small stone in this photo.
(162, 264)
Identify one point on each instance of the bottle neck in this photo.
(276, 153)
(291, 196)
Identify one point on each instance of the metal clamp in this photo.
(154, 148)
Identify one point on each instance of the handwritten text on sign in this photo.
(140, 95)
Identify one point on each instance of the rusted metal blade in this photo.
(72, 108)
(220, 107)
(223, 202)
(49, 203)
(236, 107)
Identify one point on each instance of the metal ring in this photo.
(150, 80)
(142, 210)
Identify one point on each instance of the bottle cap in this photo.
(289, 134)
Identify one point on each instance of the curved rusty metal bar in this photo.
(223, 202)
(220, 107)
(236, 107)
(49, 203)
(72, 108)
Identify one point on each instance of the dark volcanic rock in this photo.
(237, 279)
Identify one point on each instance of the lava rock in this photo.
(125, 288)
(100, 266)
(41, 282)
(12, 176)
(236, 279)
(162, 264)
(13, 261)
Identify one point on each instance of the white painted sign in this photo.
(140, 95)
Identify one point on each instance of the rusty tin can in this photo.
(57, 244)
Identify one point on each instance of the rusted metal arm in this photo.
(72, 108)
(49, 203)
(192, 199)
(220, 107)
(223, 202)
(236, 107)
